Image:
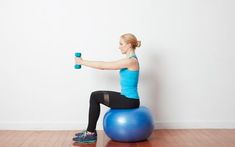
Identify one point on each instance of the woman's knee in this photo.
(95, 96)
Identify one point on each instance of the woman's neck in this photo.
(130, 53)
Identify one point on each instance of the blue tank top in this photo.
(129, 82)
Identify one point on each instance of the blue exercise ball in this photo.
(128, 125)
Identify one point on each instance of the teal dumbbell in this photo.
(77, 66)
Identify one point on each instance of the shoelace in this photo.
(83, 131)
(84, 134)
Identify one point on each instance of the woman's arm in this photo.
(102, 65)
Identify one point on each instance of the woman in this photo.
(129, 75)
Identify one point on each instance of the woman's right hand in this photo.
(78, 60)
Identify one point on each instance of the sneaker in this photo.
(78, 134)
(86, 138)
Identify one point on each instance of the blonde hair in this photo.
(130, 38)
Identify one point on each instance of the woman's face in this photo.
(123, 46)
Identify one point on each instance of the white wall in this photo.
(187, 60)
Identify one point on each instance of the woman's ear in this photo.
(129, 45)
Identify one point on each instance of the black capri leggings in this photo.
(111, 99)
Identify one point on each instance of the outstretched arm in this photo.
(103, 65)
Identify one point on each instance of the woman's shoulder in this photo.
(135, 64)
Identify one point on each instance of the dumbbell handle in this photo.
(77, 66)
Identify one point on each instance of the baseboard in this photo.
(195, 125)
(29, 125)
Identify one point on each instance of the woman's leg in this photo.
(111, 99)
(96, 98)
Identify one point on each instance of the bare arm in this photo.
(102, 65)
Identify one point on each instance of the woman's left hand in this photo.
(78, 60)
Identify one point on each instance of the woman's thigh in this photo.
(114, 99)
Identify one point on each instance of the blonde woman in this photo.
(128, 97)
